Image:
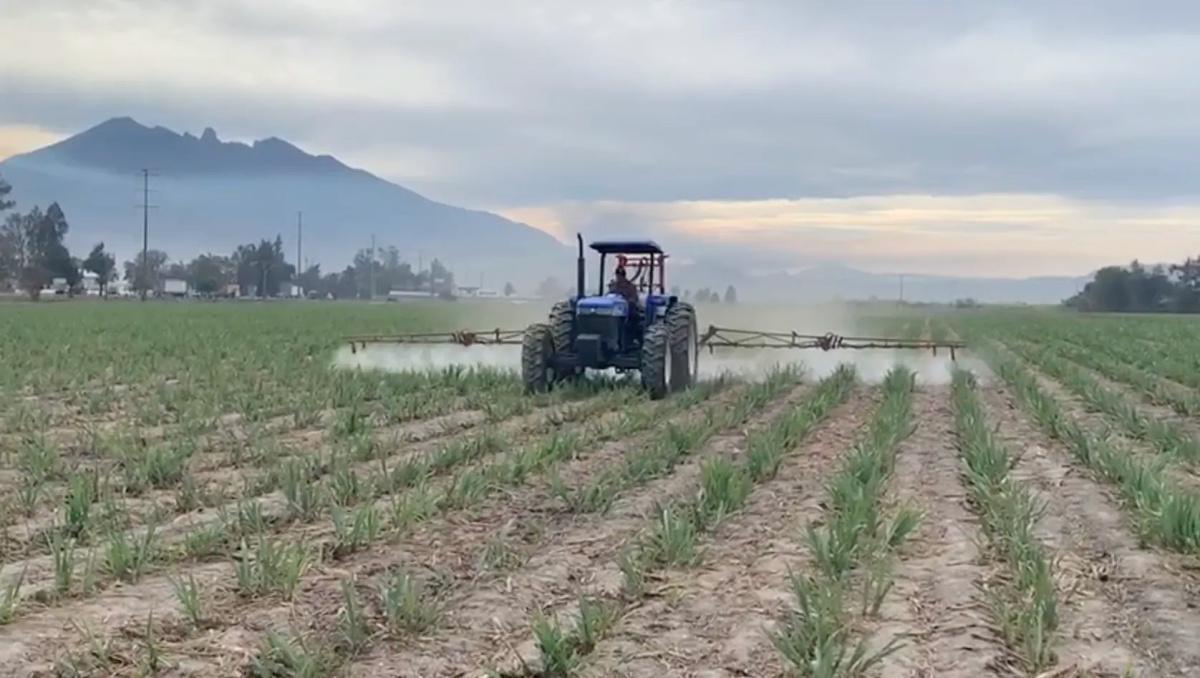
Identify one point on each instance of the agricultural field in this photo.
(204, 489)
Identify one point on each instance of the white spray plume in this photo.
(418, 358)
(872, 365)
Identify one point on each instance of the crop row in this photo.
(1164, 513)
(1024, 603)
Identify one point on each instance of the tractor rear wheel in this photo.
(685, 354)
(537, 347)
(656, 360)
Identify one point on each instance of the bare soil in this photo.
(1124, 606)
(936, 607)
(714, 619)
(488, 624)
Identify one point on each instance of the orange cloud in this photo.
(17, 139)
(983, 235)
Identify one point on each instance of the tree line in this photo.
(33, 255)
(1140, 289)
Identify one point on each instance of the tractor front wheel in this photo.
(656, 360)
(537, 348)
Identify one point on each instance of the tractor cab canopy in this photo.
(644, 263)
(626, 247)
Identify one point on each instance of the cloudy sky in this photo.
(986, 138)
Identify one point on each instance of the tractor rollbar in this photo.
(725, 337)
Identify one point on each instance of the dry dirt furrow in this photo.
(37, 571)
(447, 546)
(936, 606)
(222, 479)
(490, 621)
(1122, 607)
(714, 619)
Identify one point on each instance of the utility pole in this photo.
(299, 243)
(372, 269)
(145, 263)
(902, 288)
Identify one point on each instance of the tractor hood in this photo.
(609, 304)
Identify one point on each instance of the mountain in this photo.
(212, 195)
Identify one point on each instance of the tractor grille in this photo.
(605, 326)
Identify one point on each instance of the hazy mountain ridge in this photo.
(212, 195)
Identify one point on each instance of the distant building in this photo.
(473, 291)
(290, 289)
(406, 295)
(174, 287)
(90, 284)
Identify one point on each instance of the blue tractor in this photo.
(651, 332)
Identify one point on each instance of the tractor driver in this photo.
(624, 287)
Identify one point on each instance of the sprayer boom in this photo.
(725, 337)
(715, 337)
(462, 338)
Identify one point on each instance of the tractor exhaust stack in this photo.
(579, 264)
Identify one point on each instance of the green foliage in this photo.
(1165, 513)
(10, 598)
(406, 606)
(1138, 289)
(187, 593)
(62, 550)
(126, 557)
(1025, 607)
(352, 628)
(816, 637)
(271, 566)
(293, 657)
(356, 530)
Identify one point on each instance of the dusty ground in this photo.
(493, 566)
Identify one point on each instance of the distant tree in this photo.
(209, 273)
(175, 269)
(5, 189)
(145, 276)
(103, 264)
(730, 295)
(509, 290)
(441, 279)
(262, 267)
(32, 251)
(1136, 288)
(310, 280)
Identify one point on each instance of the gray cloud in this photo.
(541, 102)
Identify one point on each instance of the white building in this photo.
(90, 284)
